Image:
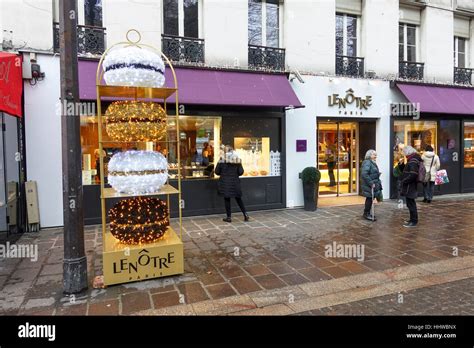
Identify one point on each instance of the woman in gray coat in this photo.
(370, 182)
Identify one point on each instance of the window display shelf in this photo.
(136, 142)
(165, 190)
(168, 250)
(130, 92)
(112, 244)
(258, 176)
(132, 219)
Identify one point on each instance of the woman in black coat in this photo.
(409, 182)
(229, 169)
(371, 184)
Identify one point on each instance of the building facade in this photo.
(329, 50)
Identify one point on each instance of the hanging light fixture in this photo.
(134, 66)
(137, 172)
(132, 120)
(139, 220)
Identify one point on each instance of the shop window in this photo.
(257, 158)
(469, 145)
(199, 141)
(418, 134)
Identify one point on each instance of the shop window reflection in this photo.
(469, 145)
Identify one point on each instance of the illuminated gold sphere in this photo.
(132, 120)
(139, 220)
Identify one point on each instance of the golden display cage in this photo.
(129, 263)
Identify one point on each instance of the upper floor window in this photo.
(346, 35)
(459, 52)
(264, 23)
(407, 38)
(181, 18)
(93, 13)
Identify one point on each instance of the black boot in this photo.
(246, 217)
(227, 219)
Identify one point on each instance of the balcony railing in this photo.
(90, 40)
(269, 58)
(411, 70)
(183, 49)
(350, 66)
(463, 76)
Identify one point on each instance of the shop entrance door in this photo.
(338, 158)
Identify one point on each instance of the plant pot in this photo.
(316, 194)
(309, 194)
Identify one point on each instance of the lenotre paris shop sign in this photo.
(350, 98)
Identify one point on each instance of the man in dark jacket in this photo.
(370, 182)
(409, 183)
(229, 169)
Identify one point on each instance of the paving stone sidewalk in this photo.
(453, 298)
(314, 298)
(275, 250)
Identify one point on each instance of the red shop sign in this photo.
(11, 83)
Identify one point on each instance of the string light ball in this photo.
(131, 120)
(138, 172)
(134, 66)
(139, 220)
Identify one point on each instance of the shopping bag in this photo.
(441, 177)
(379, 197)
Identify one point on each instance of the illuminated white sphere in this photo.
(137, 172)
(133, 66)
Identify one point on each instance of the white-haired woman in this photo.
(229, 169)
(371, 183)
(409, 183)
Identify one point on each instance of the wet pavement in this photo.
(453, 298)
(275, 250)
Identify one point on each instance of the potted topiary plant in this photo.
(310, 177)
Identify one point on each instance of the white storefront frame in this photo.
(301, 124)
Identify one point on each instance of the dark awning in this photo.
(213, 87)
(437, 99)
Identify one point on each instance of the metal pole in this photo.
(75, 262)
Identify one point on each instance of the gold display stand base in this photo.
(129, 263)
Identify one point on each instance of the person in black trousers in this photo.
(229, 169)
(409, 181)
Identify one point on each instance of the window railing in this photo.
(90, 40)
(269, 58)
(463, 76)
(183, 49)
(350, 66)
(411, 70)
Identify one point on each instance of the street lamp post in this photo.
(75, 261)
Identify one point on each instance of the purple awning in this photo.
(443, 100)
(212, 87)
